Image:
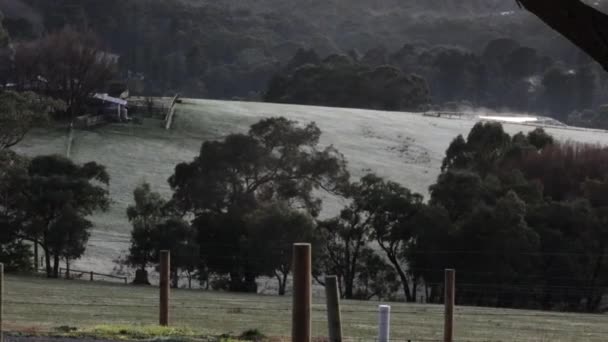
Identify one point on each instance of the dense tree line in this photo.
(340, 81)
(529, 219)
(522, 218)
(246, 51)
(232, 48)
(503, 75)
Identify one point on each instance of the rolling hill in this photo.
(404, 147)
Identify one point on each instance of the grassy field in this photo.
(404, 147)
(36, 304)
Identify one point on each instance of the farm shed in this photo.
(112, 107)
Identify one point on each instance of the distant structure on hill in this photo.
(112, 106)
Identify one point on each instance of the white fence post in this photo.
(384, 323)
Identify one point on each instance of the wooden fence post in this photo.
(1, 301)
(449, 300)
(165, 262)
(302, 293)
(334, 319)
(384, 323)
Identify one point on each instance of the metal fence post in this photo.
(384, 326)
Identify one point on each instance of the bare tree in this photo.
(68, 65)
(582, 24)
(19, 112)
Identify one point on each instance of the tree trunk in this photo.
(348, 286)
(175, 280)
(348, 282)
(406, 286)
(285, 281)
(436, 293)
(242, 283)
(402, 276)
(281, 285)
(592, 293)
(47, 262)
(36, 260)
(282, 278)
(235, 284)
(67, 268)
(547, 298)
(141, 277)
(56, 266)
(250, 283)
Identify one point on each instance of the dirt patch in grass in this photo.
(133, 332)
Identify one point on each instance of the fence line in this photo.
(301, 298)
(460, 115)
(91, 274)
(234, 306)
(282, 245)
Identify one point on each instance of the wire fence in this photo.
(55, 303)
(69, 302)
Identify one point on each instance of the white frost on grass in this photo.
(403, 147)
